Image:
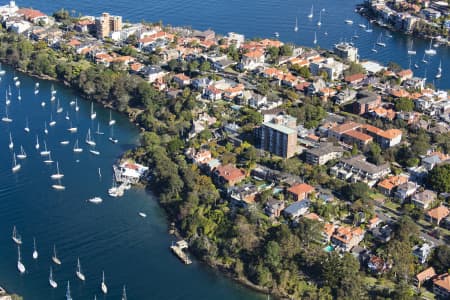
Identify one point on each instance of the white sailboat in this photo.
(68, 296)
(2, 72)
(89, 139)
(76, 148)
(64, 142)
(380, 41)
(53, 91)
(16, 166)
(311, 14)
(36, 85)
(315, 38)
(430, 51)
(411, 50)
(67, 117)
(77, 108)
(439, 73)
(37, 143)
(16, 237)
(79, 273)
(19, 97)
(7, 100)
(20, 265)
(58, 174)
(59, 186)
(52, 282)
(27, 128)
(296, 25)
(374, 50)
(45, 152)
(59, 109)
(6, 118)
(72, 128)
(9, 91)
(348, 21)
(112, 139)
(319, 23)
(48, 160)
(111, 120)
(369, 30)
(98, 129)
(424, 59)
(11, 143)
(35, 252)
(17, 83)
(143, 215)
(93, 113)
(45, 128)
(55, 258)
(94, 151)
(103, 285)
(114, 191)
(124, 293)
(95, 200)
(43, 103)
(22, 154)
(52, 122)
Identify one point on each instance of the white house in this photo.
(253, 60)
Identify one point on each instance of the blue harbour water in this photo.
(111, 236)
(262, 18)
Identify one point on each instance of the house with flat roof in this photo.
(279, 136)
(424, 199)
(358, 169)
(297, 209)
(323, 153)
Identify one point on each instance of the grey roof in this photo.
(324, 148)
(367, 97)
(296, 206)
(359, 162)
(280, 128)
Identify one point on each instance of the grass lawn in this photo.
(392, 205)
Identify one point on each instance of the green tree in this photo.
(404, 104)
(439, 178)
(355, 191)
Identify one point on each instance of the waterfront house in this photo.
(424, 276)
(366, 101)
(297, 209)
(153, 73)
(33, 15)
(346, 237)
(424, 199)
(406, 190)
(422, 252)
(441, 286)
(382, 234)
(354, 78)
(274, 208)
(243, 195)
(388, 186)
(300, 191)
(377, 265)
(252, 60)
(182, 80)
(228, 174)
(436, 215)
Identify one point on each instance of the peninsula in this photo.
(303, 173)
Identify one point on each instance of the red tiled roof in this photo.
(302, 188)
(426, 274)
(438, 213)
(31, 14)
(443, 281)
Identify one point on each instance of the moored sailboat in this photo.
(16, 167)
(57, 175)
(79, 273)
(93, 113)
(55, 258)
(16, 237)
(20, 265)
(76, 148)
(22, 154)
(52, 282)
(103, 285)
(35, 252)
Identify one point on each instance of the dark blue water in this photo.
(109, 236)
(261, 18)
